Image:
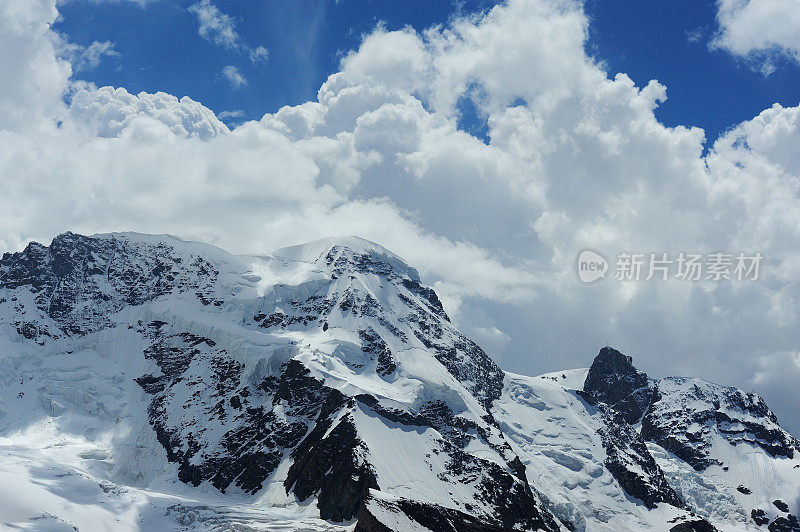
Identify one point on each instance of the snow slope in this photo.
(559, 439)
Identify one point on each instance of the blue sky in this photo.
(160, 50)
(668, 40)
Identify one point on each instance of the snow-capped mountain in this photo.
(155, 384)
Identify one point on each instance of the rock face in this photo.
(79, 281)
(631, 464)
(613, 380)
(324, 387)
(622, 394)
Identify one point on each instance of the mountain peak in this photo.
(352, 242)
(614, 380)
(609, 361)
(340, 252)
(613, 374)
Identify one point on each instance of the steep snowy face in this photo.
(360, 287)
(688, 416)
(594, 467)
(685, 415)
(323, 374)
(724, 451)
(416, 391)
(615, 450)
(721, 449)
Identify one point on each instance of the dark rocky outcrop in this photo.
(694, 525)
(787, 523)
(79, 281)
(254, 438)
(327, 464)
(613, 380)
(759, 516)
(374, 346)
(681, 414)
(631, 464)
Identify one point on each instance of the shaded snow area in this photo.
(61, 493)
(558, 437)
(154, 384)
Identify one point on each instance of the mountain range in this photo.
(150, 383)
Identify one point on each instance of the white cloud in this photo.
(236, 113)
(107, 112)
(220, 28)
(758, 29)
(258, 54)
(87, 57)
(232, 117)
(34, 77)
(490, 338)
(575, 160)
(695, 35)
(214, 25)
(235, 77)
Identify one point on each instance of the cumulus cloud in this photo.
(759, 29)
(234, 77)
(35, 76)
(107, 112)
(575, 159)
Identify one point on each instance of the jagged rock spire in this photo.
(614, 380)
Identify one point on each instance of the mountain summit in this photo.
(152, 383)
(614, 380)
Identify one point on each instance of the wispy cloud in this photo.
(215, 25)
(87, 57)
(695, 35)
(258, 54)
(233, 117)
(235, 113)
(141, 3)
(220, 28)
(232, 74)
